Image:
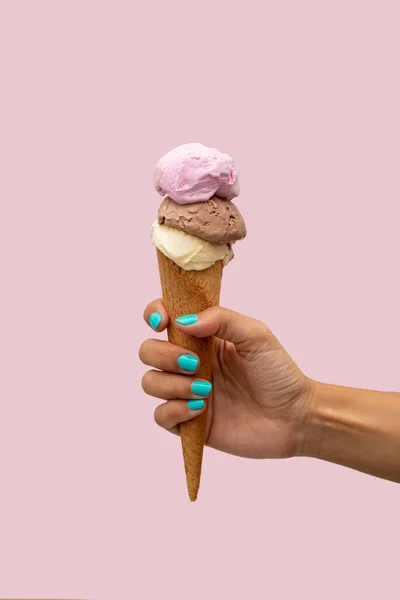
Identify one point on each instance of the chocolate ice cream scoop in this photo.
(214, 220)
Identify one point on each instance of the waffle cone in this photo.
(190, 292)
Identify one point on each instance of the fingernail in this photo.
(187, 319)
(201, 388)
(196, 404)
(154, 320)
(187, 362)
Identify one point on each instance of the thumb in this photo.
(227, 325)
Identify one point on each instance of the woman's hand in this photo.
(259, 397)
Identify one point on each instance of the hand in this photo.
(259, 397)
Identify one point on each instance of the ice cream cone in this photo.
(190, 292)
(196, 226)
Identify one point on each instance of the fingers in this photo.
(170, 414)
(168, 357)
(227, 325)
(169, 386)
(156, 315)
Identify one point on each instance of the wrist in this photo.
(318, 411)
(352, 427)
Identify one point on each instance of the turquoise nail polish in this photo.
(187, 362)
(201, 388)
(154, 320)
(196, 404)
(187, 319)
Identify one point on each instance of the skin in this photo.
(263, 406)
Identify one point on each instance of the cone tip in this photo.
(193, 492)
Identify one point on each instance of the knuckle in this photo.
(258, 331)
(142, 350)
(162, 350)
(221, 312)
(178, 411)
(157, 416)
(265, 332)
(174, 411)
(146, 381)
(167, 356)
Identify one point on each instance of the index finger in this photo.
(156, 315)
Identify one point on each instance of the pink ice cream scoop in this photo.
(193, 173)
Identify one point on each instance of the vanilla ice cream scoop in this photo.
(187, 251)
(194, 173)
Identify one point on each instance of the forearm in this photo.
(356, 428)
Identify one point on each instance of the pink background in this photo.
(305, 96)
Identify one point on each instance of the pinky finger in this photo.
(173, 412)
